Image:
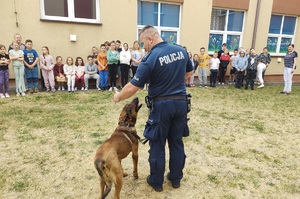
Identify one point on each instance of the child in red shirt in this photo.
(224, 61)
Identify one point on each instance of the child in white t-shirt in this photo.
(214, 69)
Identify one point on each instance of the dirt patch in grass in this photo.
(242, 144)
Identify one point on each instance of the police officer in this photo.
(165, 68)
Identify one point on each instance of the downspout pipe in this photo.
(256, 23)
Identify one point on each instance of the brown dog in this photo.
(109, 155)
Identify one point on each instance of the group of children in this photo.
(114, 61)
(105, 66)
(243, 63)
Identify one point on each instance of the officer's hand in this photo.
(116, 97)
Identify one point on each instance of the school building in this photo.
(72, 27)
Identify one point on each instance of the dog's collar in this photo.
(143, 141)
(125, 124)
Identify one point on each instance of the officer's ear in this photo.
(150, 39)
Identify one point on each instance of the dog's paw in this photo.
(125, 174)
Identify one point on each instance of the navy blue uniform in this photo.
(164, 68)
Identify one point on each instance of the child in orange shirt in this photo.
(102, 68)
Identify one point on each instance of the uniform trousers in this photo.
(167, 122)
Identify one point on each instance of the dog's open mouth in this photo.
(135, 102)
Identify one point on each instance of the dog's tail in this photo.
(100, 166)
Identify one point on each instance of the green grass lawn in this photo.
(242, 144)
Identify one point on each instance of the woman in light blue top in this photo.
(136, 57)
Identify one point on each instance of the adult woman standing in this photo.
(18, 39)
(125, 57)
(113, 57)
(289, 67)
(136, 57)
(264, 60)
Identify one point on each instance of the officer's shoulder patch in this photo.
(146, 56)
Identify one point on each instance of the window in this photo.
(164, 16)
(281, 33)
(226, 26)
(87, 11)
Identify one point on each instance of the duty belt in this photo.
(170, 97)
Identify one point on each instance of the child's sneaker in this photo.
(7, 95)
(36, 90)
(86, 88)
(110, 89)
(2, 96)
(75, 88)
(58, 89)
(23, 94)
(53, 90)
(261, 86)
(82, 88)
(48, 90)
(18, 94)
(62, 88)
(115, 89)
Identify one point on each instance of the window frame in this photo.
(163, 28)
(71, 12)
(226, 32)
(280, 35)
